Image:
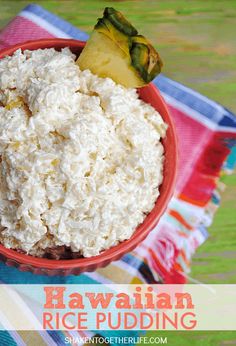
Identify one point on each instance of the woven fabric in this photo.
(206, 134)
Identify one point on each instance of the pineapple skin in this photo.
(103, 57)
(115, 50)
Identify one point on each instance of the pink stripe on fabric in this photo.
(19, 30)
(193, 138)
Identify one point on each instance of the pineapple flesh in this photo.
(115, 50)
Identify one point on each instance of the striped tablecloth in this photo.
(206, 135)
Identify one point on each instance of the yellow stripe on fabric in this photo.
(116, 274)
(136, 281)
(32, 338)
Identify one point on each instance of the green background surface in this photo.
(196, 40)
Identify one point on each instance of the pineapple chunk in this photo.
(102, 58)
(115, 50)
(18, 102)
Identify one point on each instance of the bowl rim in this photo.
(141, 231)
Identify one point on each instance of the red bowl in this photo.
(149, 94)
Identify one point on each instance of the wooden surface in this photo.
(196, 40)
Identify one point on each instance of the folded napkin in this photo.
(206, 134)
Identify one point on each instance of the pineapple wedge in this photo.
(115, 50)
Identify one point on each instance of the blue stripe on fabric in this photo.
(195, 101)
(231, 160)
(132, 260)
(215, 199)
(58, 337)
(59, 23)
(10, 275)
(204, 231)
(229, 120)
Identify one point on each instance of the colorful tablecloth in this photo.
(206, 134)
